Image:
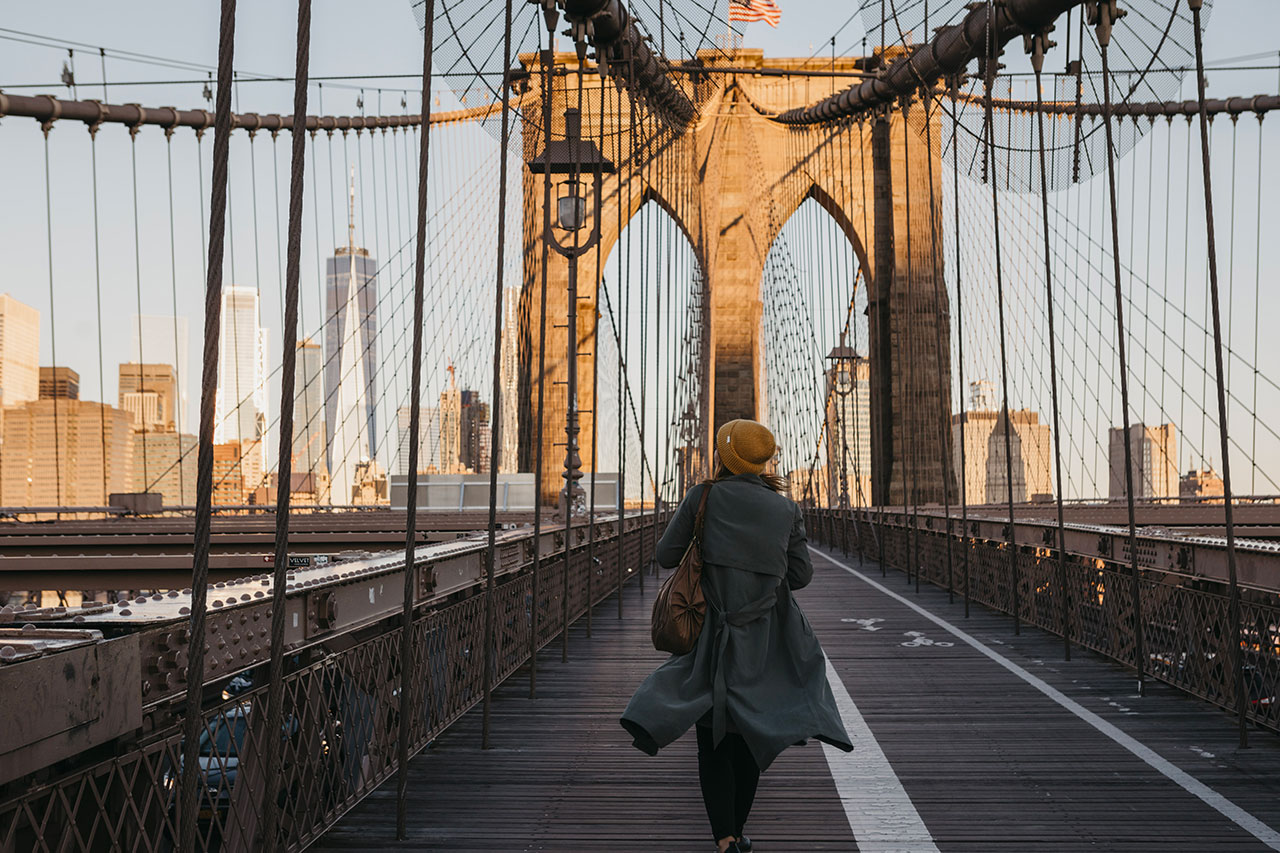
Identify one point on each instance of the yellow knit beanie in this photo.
(745, 446)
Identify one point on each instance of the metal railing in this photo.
(1184, 605)
(341, 694)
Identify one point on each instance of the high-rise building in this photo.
(475, 439)
(349, 444)
(428, 442)
(241, 411)
(19, 352)
(509, 453)
(1199, 484)
(983, 396)
(451, 428)
(19, 355)
(228, 474)
(1154, 454)
(309, 456)
(350, 350)
(162, 339)
(61, 451)
(150, 393)
(60, 382)
(848, 428)
(985, 475)
(165, 462)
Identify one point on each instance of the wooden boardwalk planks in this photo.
(990, 763)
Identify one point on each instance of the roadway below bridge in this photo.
(146, 553)
(968, 738)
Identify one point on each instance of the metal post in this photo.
(1242, 699)
(415, 425)
(275, 678)
(991, 61)
(496, 445)
(1103, 16)
(1039, 44)
(193, 721)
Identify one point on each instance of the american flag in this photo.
(755, 10)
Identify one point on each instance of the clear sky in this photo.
(372, 38)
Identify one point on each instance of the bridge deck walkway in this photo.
(969, 738)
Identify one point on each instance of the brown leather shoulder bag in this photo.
(680, 608)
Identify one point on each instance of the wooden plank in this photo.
(991, 763)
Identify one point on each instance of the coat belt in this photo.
(724, 622)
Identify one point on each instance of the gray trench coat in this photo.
(757, 668)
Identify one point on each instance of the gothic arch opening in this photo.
(816, 353)
(650, 354)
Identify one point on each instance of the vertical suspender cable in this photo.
(906, 358)
(415, 426)
(623, 199)
(547, 61)
(1039, 45)
(53, 323)
(944, 415)
(179, 368)
(964, 471)
(284, 458)
(991, 60)
(193, 721)
(97, 283)
(137, 281)
(1223, 435)
(1103, 16)
(495, 448)
(595, 390)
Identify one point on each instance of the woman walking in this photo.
(755, 682)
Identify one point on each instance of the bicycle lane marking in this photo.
(1228, 809)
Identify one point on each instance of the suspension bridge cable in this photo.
(297, 174)
(193, 720)
(407, 658)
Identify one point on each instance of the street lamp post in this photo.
(572, 156)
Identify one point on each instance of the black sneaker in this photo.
(744, 845)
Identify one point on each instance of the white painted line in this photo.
(1184, 780)
(877, 807)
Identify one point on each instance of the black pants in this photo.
(729, 776)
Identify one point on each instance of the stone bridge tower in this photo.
(731, 182)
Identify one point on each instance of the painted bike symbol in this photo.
(868, 624)
(918, 639)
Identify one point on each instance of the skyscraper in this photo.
(848, 428)
(347, 408)
(428, 441)
(241, 410)
(309, 445)
(60, 382)
(164, 460)
(150, 393)
(162, 339)
(451, 428)
(61, 451)
(985, 475)
(1155, 461)
(509, 453)
(19, 352)
(19, 355)
(475, 439)
(351, 323)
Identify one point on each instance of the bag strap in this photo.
(700, 518)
